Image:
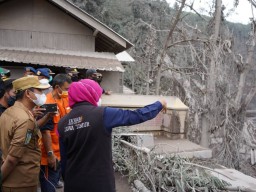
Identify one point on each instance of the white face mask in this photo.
(40, 99)
(99, 103)
(44, 81)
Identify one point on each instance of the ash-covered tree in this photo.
(213, 76)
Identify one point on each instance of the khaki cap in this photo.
(24, 83)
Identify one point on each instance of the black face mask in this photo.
(74, 78)
(2, 92)
(97, 79)
(11, 101)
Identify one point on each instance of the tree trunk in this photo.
(148, 76)
(158, 79)
(205, 136)
(168, 40)
(133, 81)
(211, 81)
(217, 19)
(247, 67)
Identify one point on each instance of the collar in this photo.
(22, 106)
(82, 103)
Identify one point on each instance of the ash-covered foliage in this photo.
(161, 172)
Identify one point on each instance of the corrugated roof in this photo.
(85, 60)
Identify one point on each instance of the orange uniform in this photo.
(63, 109)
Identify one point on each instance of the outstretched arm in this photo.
(114, 117)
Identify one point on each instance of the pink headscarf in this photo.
(84, 90)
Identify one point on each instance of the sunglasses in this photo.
(97, 75)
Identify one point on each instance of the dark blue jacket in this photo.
(85, 144)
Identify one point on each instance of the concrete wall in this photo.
(38, 24)
(112, 81)
(170, 124)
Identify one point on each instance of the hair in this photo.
(2, 92)
(2, 88)
(20, 93)
(60, 79)
(8, 87)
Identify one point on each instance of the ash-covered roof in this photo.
(85, 60)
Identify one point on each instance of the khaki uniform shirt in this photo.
(19, 138)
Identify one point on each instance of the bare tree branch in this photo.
(192, 8)
(186, 40)
(169, 38)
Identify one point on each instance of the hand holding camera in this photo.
(50, 108)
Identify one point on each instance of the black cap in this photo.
(8, 83)
(71, 70)
(89, 72)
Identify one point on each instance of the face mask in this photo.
(50, 79)
(64, 94)
(44, 81)
(40, 99)
(99, 103)
(97, 79)
(11, 101)
(74, 78)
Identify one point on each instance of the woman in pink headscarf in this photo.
(85, 137)
(84, 90)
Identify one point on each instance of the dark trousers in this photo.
(48, 178)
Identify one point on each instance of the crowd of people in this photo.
(70, 142)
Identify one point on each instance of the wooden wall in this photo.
(36, 24)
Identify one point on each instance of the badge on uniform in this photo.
(28, 136)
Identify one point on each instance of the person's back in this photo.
(85, 137)
(93, 142)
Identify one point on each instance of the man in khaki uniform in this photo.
(19, 136)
